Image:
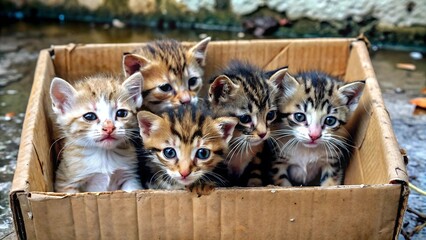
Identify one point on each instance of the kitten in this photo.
(250, 94)
(172, 72)
(185, 147)
(313, 143)
(97, 119)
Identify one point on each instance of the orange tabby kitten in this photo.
(97, 119)
(172, 72)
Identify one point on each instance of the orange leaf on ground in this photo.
(420, 102)
(423, 91)
(406, 66)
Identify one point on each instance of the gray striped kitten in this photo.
(250, 94)
(312, 141)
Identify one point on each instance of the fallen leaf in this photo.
(406, 66)
(10, 114)
(419, 111)
(423, 91)
(420, 102)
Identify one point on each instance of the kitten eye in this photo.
(202, 153)
(169, 153)
(300, 117)
(166, 87)
(330, 121)
(192, 81)
(121, 113)
(90, 116)
(271, 115)
(245, 118)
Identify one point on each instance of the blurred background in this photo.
(396, 30)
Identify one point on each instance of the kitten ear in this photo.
(289, 83)
(222, 88)
(62, 95)
(134, 85)
(351, 93)
(226, 126)
(199, 50)
(148, 123)
(277, 77)
(132, 63)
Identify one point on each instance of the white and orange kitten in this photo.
(97, 119)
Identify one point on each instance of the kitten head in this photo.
(187, 143)
(250, 94)
(172, 72)
(316, 105)
(99, 111)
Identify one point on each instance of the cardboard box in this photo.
(370, 205)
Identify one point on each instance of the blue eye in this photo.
(271, 115)
(245, 118)
(169, 153)
(90, 116)
(330, 121)
(121, 113)
(202, 153)
(166, 87)
(300, 117)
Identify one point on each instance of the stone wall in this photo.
(385, 20)
(401, 13)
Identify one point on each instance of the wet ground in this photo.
(20, 44)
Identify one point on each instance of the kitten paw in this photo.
(254, 183)
(329, 182)
(283, 183)
(201, 189)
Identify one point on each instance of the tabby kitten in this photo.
(313, 143)
(97, 119)
(250, 94)
(172, 72)
(185, 147)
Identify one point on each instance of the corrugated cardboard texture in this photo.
(354, 211)
(297, 213)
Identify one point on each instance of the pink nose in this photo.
(184, 173)
(184, 98)
(314, 136)
(108, 127)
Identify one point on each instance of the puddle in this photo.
(20, 44)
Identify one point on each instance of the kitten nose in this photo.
(108, 127)
(184, 98)
(262, 135)
(314, 136)
(184, 173)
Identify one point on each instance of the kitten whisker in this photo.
(51, 146)
(235, 145)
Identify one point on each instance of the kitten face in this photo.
(99, 111)
(249, 94)
(187, 144)
(172, 72)
(315, 106)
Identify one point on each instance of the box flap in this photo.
(225, 214)
(35, 140)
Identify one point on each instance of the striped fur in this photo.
(313, 145)
(172, 72)
(250, 94)
(97, 120)
(186, 132)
